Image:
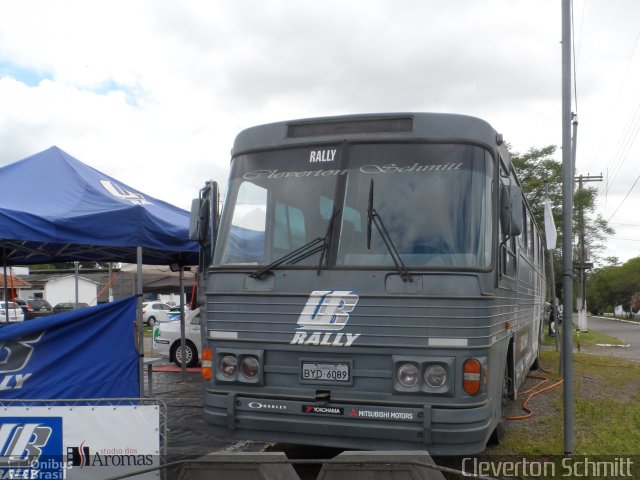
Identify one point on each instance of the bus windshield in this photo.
(435, 201)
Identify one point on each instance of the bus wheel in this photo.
(536, 363)
(501, 428)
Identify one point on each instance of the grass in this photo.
(606, 405)
(589, 338)
(606, 413)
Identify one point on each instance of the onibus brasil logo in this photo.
(326, 312)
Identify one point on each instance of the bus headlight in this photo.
(408, 375)
(435, 376)
(250, 367)
(228, 366)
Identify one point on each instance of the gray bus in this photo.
(373, 282)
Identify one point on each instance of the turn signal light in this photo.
(471, 376)
(207, 357)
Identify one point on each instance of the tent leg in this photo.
(140, 330)
(5, 292)
(183, 368)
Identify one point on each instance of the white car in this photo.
(15, 312)
(156, 312)
(166, 340)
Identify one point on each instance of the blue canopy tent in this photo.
(54, 208)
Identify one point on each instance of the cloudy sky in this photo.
(153, 92)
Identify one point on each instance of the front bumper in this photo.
(442, 431)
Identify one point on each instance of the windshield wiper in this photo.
(327, 236)
(374, 218)
(320, 244)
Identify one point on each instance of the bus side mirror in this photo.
(199, 220)
(511, 209)
(203, 223)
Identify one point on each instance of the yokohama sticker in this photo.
(322, 410)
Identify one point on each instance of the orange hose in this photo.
(536, 390)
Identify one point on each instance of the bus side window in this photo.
(531, 237)
(525, 228)
(508, 263)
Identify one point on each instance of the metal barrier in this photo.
(410, 465)
(53, 435)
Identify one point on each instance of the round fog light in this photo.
(250, 367)
(435, 376)
(228, 365)
(408, 375)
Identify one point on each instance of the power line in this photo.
(627, 138)
(624, 199)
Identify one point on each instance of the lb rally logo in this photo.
(14, 356)
(326, 312)
(31, 447)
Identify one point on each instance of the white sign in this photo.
(78, 442)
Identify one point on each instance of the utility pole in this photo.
(582, 265)
(567, 233)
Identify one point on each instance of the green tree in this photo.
(537, 167)
(540, 175)
(613, 285)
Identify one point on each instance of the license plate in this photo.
(326, 372)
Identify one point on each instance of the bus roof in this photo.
(363, 127)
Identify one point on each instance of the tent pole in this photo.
(139, 321)
(76, 274)
(183, 367)
(110, 286)
(6, 301)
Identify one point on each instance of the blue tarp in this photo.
(85, 353)
(245, 245)
(54, 208)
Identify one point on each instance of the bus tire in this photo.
(498, 434)
(536, 362)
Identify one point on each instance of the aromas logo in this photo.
(82, 457)
(326, 311)
(15, 354)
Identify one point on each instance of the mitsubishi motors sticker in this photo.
(382, 414)
(326, 313)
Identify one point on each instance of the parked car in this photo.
(26, 309)
(15, 312)
(156, 311)
(34, 307)
(166, 340)
(66, 306)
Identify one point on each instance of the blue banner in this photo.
(85, 353)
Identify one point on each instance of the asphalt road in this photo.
(627, 332)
